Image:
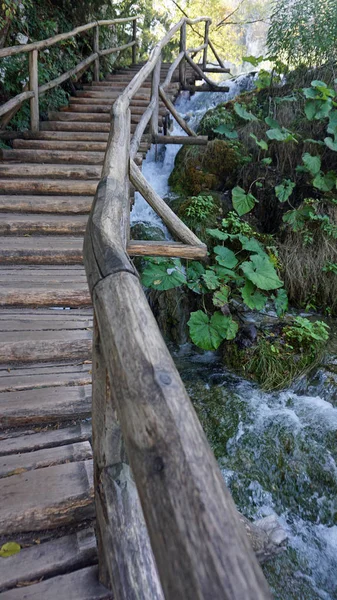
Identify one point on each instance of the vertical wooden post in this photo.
(155, 95)
(34, 87)
(134, 39)
(182, 48)
(204, 59)
(96, 49)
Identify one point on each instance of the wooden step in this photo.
(76, 171)
(76, 136)
(44, 405)
(71, 205)
(105, 109)
(16, 442)
(49, 559)
(35, 376)
(41, 459)
(78, 585)
(47, 335)
(12, 224)
(78, 126)
(46, 498)
(43, 286)
(52, 156)
(48, 186)
(60, 145)
(41, 250)
(88, 117)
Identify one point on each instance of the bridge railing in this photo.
(34, 91)
(167, 526)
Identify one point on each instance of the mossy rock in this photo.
(202, 168)
(147, 231)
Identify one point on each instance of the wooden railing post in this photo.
(182, 48)
(96, 49)
(134, 39)
(34, 87)
(155, 97)
(204, 58)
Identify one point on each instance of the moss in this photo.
(201, 168)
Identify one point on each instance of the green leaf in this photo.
(317, 109)
(211, 280)
(311, 163)
(267, 161)
(272, 123)
(202, 332)
(280, 135)
(227, 130)
(208, 333)
(163, 275)
(253, 60)
(261, 272)
(217, 234)
(261, 143)
(193, 274)
(220, 298)
(297, 218)
(332, 126)
(242, 202)
(311, 141)
(252, 245)
(243, 113)
(284, 190)
(330, 143)
(9, 549)
(252, 297)
(281, 302)
(225, 274)
(326, 182)
(225, 257)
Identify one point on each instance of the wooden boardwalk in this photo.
(47, 183)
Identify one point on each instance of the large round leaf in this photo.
(261, 272)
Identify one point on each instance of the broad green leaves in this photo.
(253, 60)
(319, 100)
(225, 257)
(243, 113)
(161, 275)
(284, 190)
(242, 202)
(227, 130)
(260, 271)
(261, 143)
(252, 297)
(278, 133)
(325, 183)
(311, 163)
(208, 332)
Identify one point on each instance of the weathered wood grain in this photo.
(79, 585)
(39, 375)
(17, 442)
(46, 498)
(40, 459)
(174, 249)
(46, 204)
(48, 559)
(44, 405)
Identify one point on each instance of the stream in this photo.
(277, 451)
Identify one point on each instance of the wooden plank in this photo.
(58, 145)
(48, 559)
(41, 459)
(40, 376)
(46, 498)
(38, 295)
(200, 140)
(46, 204)
(151, 248)
(41, 250)
(93, 136)
(47, 349)
(48, 186)
(44, 405)
(28, 442)
(61, 171)
(52, 156)
(51, 224)
(34, 87)
(78, 585)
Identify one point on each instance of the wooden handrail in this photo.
(33, 49)
(194, 545)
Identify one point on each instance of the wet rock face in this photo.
(146, 231)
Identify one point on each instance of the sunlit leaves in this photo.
(260, 271)
(160, 274)
(208, 332)
(243, 203)
(243, 113)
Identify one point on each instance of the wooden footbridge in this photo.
(170, 529)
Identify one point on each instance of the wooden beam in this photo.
(155, 98)
(175, 225)
(212, 47)
(34, 87)
(174, 249)
(134, 39)
(81, 66)
(199, 140)
(170, 106)
(204, 57)
(16, 101)
(182, 48)
(116, 49)
(96, 51)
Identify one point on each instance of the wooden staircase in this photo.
(47, 184)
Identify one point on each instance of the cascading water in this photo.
(278, 451)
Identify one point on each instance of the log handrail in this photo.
(33, 48)
(171, 530)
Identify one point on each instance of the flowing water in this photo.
(277, 451)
